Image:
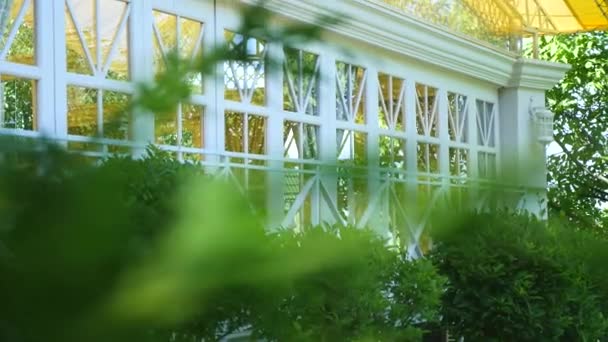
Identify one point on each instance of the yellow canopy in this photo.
(542, 16)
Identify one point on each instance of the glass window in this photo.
(96, 38)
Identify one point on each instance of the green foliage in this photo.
(152, 183)
(376, 294)
(578, 174)
(79, 243)
(151, 250)
(512, 279)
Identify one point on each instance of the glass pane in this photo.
(491, 124)
(310, 141)
(234, 128)
(458, 117)
(427, 114)
(352, 146)
(21, 48)
(96, 38)
(18, 107)
(391, 98)
(83, 111)
(352, 194)
(115, 116)
(95, 113)
(300, 82)
(165, 128)
(114, 40)
(428, 158)
(76, 56)
(188, 43)
(486, 125)
(459, 162)
(291, 139)
(245, 75)
(487, 165)
(392, 152)
(350, 93)
(192, 125)
(256, 127)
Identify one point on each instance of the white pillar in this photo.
(274, 135)
(328, 148)
(141, 65)
(522, 155)
(45, 59)
(56, 73)
(373, 178)
(213, 137)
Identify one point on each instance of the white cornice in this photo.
(535, 74)
(381, 26)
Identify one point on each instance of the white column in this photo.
(519, 144)
(328, 145)
(444, 139)
(373, 180)
(141, 64)
(520, 151)
(274, 135)
(59, 61)
(45, 59)
(213, 86)
(471, 113)
(411, 166)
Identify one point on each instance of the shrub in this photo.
(370, 292)
(512, 279)
(150, 187)
(149, 250)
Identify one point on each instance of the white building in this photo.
(415, 108)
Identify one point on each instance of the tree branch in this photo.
(580, 164)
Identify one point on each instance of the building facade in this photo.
(384, 110)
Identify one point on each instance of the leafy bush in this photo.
(151, 186)
(512, 279)
(375, 293)
(150, 250)
(84, 248)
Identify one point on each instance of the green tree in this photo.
(579, 174)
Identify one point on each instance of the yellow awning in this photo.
(543, 16)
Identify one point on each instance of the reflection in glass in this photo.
(192, 126)
(487, 165)
(17, 109)
(301, 82)
(391, 98)
(96, 38)
(97, 113)
(245, 133)
(459, 162)
(350, 93)
(428, 158)
(486, 125)
(458, 117)
(182, 127)
(300, 140)
(244, 73)
(173, 33)
(427, 114)
(392, 152)
(352, 146)
(17, 39)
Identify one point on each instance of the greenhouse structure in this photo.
(400, 100)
